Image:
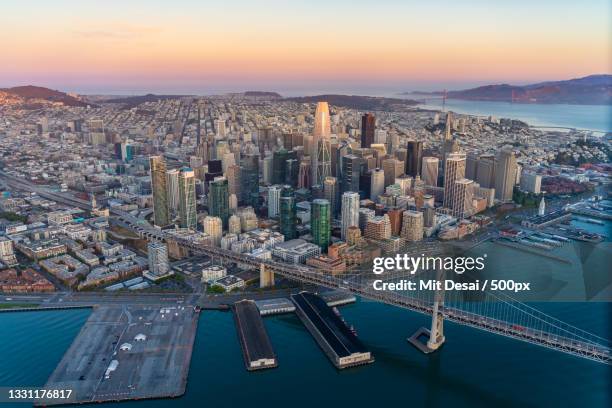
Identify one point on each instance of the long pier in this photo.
(256, 347)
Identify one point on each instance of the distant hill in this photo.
(37, 94)
(263, 94)
(589, 90)
(131, 101)
(358, 102)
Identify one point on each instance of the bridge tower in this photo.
(434, 335)
(266, 277)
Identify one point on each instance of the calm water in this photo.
(593, 117)
(474, 369)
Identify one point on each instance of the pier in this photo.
(128, 353)
(256, 347)
(332, 334)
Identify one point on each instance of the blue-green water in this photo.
(593, 117)
(473, 369)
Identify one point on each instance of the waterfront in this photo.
(473, 369)
(592, 117)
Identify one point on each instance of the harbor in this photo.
(256, 346)
(331, 333)
(128, 353)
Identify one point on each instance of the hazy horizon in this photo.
(187, 47)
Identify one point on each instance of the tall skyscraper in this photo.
(485, 171)
(429, 171)
(320, 223)
(351, 170)
(288, 218)
(414, 158)
(274, 195)
(463, 195)
(454, 169)
(187, 199)
(331, 193)
(172, 185)
(377, 184)
(322, 125)
(279, 166)
(350, 212)
(304, 174)
(505, 174)
(233, 179)
(160, 191)
(250, 180)
(321, 156)
(368, 127)
(218, 199)
(393, 168)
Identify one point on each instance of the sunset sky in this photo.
(205, 46)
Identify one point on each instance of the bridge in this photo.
(493, 313)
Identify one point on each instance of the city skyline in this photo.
(204, 48)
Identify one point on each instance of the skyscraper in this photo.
(218, 199)
(250, 180)
(187, 199)
(274, 195)
(350, 212)
(454, 169)
(331, 192)
(485, 171)
(412, 226)
(173, 190)
(414, 158)
(233, 179)
(279, 166)
(160, 191)
(368, 127)
(288, 219)
(304, 175)
(505, 174)
(351, 170)
(321, 156)
(463, 195)
(320, 223)
(377, 184)
(429, 171)
(322, 125)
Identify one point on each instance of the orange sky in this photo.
(384, 42)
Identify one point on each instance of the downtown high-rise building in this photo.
(213, 226)
(288, 214)
(412, 226)
(321, 154)
(331, 192)
(485, 171)
(250, 180)
(505, 174)
(414, 158)
(218, 199)
(161, 215)
(233, 174)
(157, 254)
(368, 128)
(463, 194)
(350, 212)
(320, 223)
(377, 184)
(429, 171)
(279, 166)
(304, 175)
(454, 169)
(172, 186)
(393, 168)
(351, 171)
(274, 195)
(187, 199)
